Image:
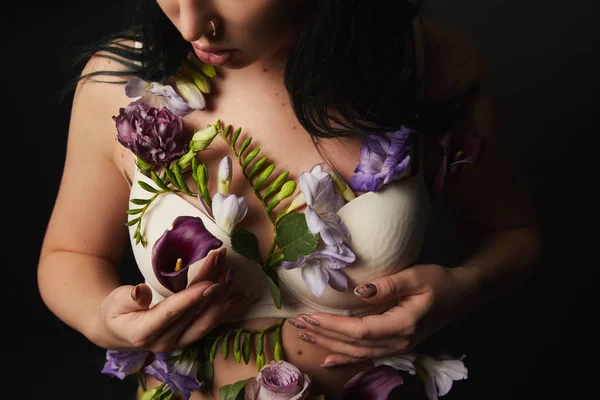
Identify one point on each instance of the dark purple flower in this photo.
(185, 243)
(376, 383)
(278, 381)
(457, 148)
(178, 373)
(155, 136)
(382, 159)
(124, 363)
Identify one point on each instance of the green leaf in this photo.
(161, 184)
(260, 361)
(148, 187)
(251, 156)
(225, 346)
(244, 146)
(227, 131)
(246, 347)
(180, 179)
(172, 177)
(235, 136)
(277, 350)
(133, 211)
(235, 391)
(213, 349)
(140, 202)
(257, 166)
(293, 237)
(275, 185)
(263, 177)
(133, 221)
(272, 282)
(237, 353)
(246, 244)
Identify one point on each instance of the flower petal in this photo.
(377, 383)
(338, 280)
(315, 277)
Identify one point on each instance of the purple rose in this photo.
(155, 136)
(179, 373)
(382, 159)
(185, 243)
(278, 381)
(124, 363)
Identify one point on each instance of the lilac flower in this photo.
(124, 363)
(278, 381)
(440, 374)
(323, 267)
(457, 148)
(178, 373)
(376, 383)
(157, 95)
(382, 159)
(185, 243)
(155, 136)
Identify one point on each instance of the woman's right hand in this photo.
(179, 319)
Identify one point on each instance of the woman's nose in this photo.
(194, 19)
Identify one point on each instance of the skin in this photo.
(77, 269)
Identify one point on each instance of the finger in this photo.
(378, 326)
(211, 270)
(128, 299)
(333, 360)
(339, 347)
(389, 287)
(300, 324)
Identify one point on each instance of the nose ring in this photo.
(214, 28)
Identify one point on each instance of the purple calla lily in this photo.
(185, 243)
(382, 159)
(376, 383)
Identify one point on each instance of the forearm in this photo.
(502, 261)
(73, 286)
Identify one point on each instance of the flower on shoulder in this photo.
(179, 373)
(279, 380)
(383, 159)
(187, 242)
(157, 95)
(323, 267)
(439, 374)
(155, 136)
(124, 363)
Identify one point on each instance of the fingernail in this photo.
(229, 277)
(365, 291)
(328, 365)
(218, 259)
(134, 293)
(211, 289)
(310, 321)
(306, 337)
(296, 324)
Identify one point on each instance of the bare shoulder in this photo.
(452, 60)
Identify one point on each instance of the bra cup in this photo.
(387, 229)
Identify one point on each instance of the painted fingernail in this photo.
(310, 321)
(218, 258)
(328, 365)
(365, 291)
(135, 293)
(229, 277)
(211, 289)
(307, 338)
(296, 324)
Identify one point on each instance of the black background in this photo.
(537, 343)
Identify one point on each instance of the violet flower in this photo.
(158, 95)
(402, 362)
(155, 136)
(278, 381)
(179, 374)
(458, 148)
(382, 159)
(376, 383)
(185, 243)
(323, 267)
(124, 363)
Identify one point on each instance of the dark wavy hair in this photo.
(351, 57)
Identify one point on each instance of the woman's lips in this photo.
(214, 58)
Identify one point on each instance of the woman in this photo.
(310, 81)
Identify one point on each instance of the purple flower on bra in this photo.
(124, 363)
(185, 243)
(158, 95)
(178, 374)
(382, 159)
(376, 383)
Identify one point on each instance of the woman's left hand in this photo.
(428, 298)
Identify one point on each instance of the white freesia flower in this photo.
(440, 374)
(157, 95)
(228, 211)
(224, 175)
(403, 362)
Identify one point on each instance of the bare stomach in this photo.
(307, 357)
